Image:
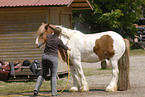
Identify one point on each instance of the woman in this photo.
(50, 61)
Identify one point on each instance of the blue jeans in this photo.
(48, 62)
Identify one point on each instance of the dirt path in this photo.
(99, 81)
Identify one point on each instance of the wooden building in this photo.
(20, 19)
(26, 15)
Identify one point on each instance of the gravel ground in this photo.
(98, 82)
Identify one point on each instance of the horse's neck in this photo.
(65, 39)
(67, 32)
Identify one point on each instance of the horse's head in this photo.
(42, 33)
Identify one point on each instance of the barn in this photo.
(20, 19)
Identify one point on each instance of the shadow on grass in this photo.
(33, 79)
(48, 93)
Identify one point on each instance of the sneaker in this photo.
(35, 93)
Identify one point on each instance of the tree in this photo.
(117, 15)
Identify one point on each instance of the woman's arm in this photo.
(63, 46)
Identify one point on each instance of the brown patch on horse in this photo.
(104, 47)
(49, 28)
(46, 27)
(52, 27)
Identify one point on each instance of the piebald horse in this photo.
(88, 48)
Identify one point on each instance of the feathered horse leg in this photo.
(76, 80)
(113, 84)
(84, 85)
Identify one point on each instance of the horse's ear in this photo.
(42, 23)
(46, 27)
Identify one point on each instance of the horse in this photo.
(89, 48)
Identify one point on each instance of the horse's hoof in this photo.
(111, 89)
(73, 89)
(84, 89)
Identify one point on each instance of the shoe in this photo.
(55, 95)
(35, 93)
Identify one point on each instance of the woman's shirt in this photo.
(52, 45)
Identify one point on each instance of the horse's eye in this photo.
(41, 34)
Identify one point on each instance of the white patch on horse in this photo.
(37, 40)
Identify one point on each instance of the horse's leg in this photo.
(113, 84)
(84, 85)
(76, 80)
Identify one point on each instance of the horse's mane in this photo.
(41, 29)
(68, 32)
(65, 31)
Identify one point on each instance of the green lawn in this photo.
(137, 52)
(9, 88)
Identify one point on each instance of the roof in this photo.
(75, 4)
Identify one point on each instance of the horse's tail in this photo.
(123, 65)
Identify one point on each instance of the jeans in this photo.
(48, 62)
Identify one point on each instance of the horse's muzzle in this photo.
(39, 44)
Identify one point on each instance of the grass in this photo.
(137, 52)
(15, 87)
(95, 71)
(18, 87)
(7, 88)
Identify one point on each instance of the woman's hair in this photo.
(57, 31)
